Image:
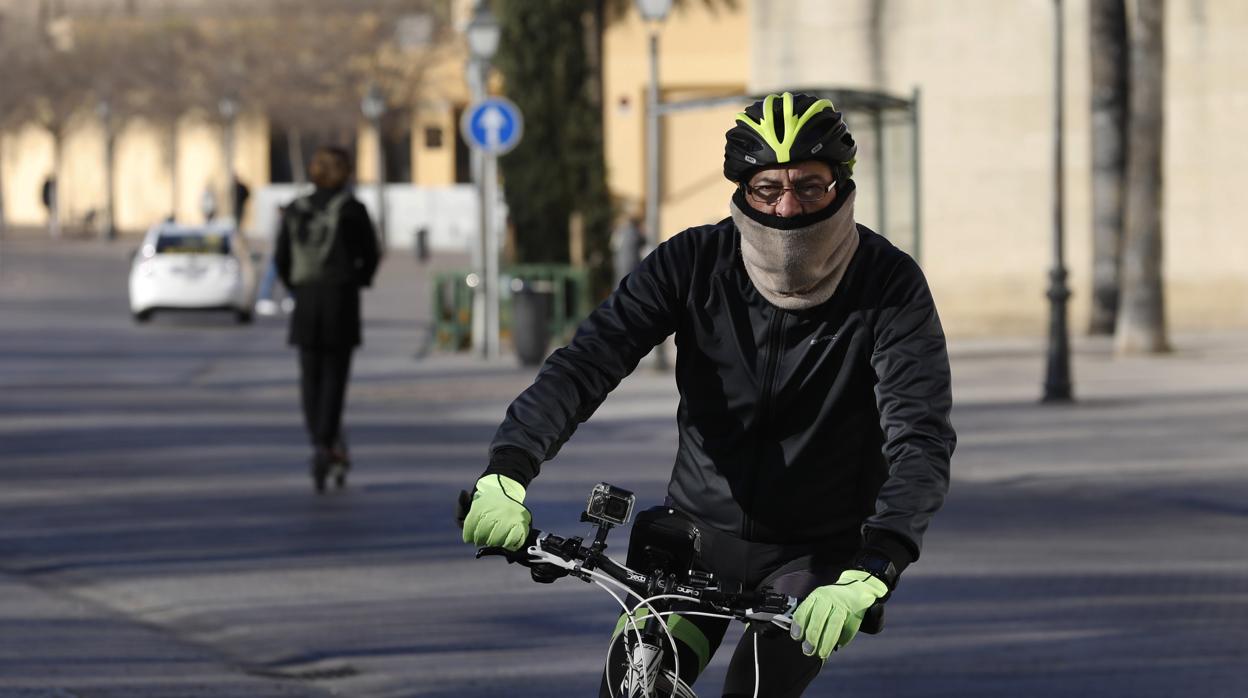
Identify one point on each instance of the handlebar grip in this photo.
(462, 506)
(873, 620)
(520, 554)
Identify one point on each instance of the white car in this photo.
(192, 268)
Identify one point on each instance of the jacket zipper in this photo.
(772, 350)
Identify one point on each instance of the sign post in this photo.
(492, 126)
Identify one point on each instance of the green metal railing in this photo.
(452, 301)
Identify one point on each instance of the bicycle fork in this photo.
(643, 660)
(645, 676)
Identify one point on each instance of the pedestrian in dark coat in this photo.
(326, 252)
(241, 194)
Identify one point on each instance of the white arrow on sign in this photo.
(494, 125)
(492, 122)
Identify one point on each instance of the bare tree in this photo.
(1141, 324)
(162, 94)
(11, 75)
(64, 88)
(326, 54)
(77, 64)
(112, 49)
(223, 54)
(308, 71)
(1109, 63)
(307, 63)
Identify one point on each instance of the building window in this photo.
(433, 137)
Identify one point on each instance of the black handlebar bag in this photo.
(665, 540)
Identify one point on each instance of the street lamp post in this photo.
(474, 73)
(654, 12)
(1057, 388)
(374, 108)
(228, 108)
(483, 33)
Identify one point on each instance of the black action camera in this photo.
(609, 505)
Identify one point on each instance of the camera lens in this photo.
(616, 508)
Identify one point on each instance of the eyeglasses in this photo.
(770, 193)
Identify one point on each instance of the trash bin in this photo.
(420, 245)
(530, 320)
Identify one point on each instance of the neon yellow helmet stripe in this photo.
(792, 123)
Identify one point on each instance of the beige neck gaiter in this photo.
(800, 268)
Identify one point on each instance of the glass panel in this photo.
(193, 243)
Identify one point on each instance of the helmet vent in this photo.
(783, 128)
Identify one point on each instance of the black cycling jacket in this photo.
(815, 426)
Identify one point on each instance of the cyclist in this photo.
(814, 432)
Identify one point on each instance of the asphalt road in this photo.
(156, 504)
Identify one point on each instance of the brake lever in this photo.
(777, 610)
(872, 620)
(522, 555)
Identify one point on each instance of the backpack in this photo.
(313, 233)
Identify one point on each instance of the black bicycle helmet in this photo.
(788, 128)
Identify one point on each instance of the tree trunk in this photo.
(172, 151)
(294, 150)
(4, 226)
(54, 204)
(1109, 60)
(1141, 325)
(109, 230)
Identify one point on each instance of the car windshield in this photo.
(193, 243)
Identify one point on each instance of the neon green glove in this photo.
(497, 515)
(830, 616)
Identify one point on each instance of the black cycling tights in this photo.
(784, 672)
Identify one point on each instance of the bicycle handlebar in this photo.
(557, 556)
(549, 557)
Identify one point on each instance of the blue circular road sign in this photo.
(493, 125)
